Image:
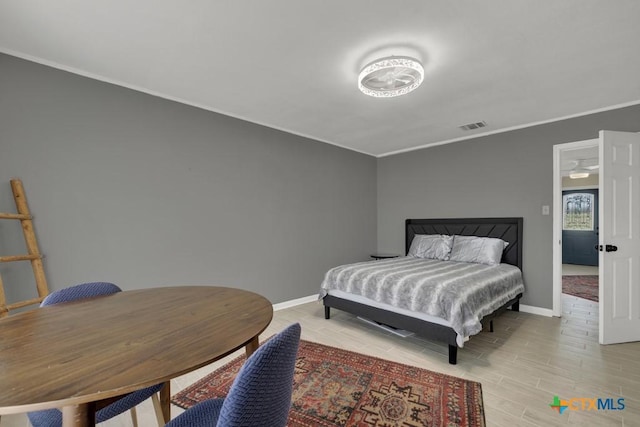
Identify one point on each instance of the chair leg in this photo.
(158, 410)
(134, 417)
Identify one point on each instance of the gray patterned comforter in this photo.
(458, 292)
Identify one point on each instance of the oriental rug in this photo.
(335, 387)
(581, 286)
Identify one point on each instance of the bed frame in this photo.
(507, 229)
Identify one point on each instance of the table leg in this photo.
(165, 401)
(252, 346)
(79, 415)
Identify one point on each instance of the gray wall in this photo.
(147, 192)
(508, 174)
(144, 192)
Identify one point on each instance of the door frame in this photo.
(558, 150)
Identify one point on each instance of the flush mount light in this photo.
(578, 175)
(391, 76)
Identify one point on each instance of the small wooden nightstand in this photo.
(384, 256)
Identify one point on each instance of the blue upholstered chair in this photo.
(53, 417)
(260, 396)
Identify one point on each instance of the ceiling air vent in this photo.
(472, 126)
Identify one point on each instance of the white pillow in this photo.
(481, 250)
(432, 246)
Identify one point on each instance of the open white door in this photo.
(619, 237)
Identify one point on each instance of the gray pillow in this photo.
(481, 250)
(431, 246)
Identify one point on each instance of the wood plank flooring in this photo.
(522, 365)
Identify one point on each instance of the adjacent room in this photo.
(216, 170)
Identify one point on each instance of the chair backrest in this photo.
(84, 290)
(261, 393)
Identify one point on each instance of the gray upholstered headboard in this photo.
(507, 229)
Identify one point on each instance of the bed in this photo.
(453, 284)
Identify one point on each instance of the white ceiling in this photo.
(588, 156)
(293, 64)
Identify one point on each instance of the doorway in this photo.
(575, 222)
(580, 276)
(619, 234)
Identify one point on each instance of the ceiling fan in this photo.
(391, 76)
(580, 169)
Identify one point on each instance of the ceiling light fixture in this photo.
(391, 76)
(579, 171)
(578, 174)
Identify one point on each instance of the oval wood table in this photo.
(77, 355)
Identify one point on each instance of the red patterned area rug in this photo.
(335, 387)
(581, 286)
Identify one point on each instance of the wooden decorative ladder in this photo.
(26, 220)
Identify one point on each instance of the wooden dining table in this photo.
(78, 355)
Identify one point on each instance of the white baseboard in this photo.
(311, 298)
(294, 302)
(536, 310)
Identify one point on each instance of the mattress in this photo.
(455, 294)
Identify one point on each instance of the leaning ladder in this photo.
(26, 220)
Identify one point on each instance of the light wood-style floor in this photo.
(522, 365)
